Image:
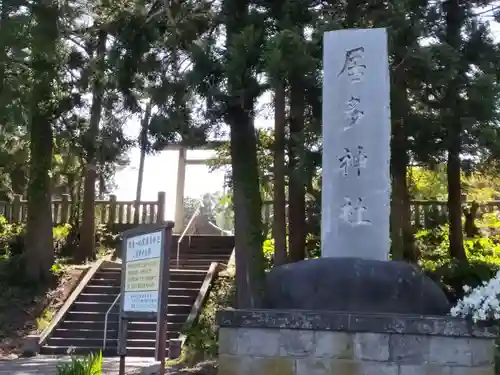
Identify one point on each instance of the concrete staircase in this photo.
(82, 328)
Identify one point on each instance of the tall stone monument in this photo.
(353, 273)
(356, 145)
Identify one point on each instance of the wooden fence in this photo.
(108, 212)
(424, 214)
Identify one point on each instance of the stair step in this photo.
(209, 241)
(187, 275)
(187, 251)
(97, 297)
(175, 296)
(70, 325)
(108, 273)
(82, 350)
(203, 263)
(186, 284)
(84, 316)
(97, 342)
(109, 352)
(102, 289)
(114, 290)
(204, 255)
(111, 335)
(103, 307)
(104, 282)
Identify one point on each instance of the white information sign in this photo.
(142, 272)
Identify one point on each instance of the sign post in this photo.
(144, 286)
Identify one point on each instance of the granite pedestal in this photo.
(297, 342)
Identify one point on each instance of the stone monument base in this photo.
(293, 342)
(352, 284)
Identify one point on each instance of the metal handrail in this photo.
(106, 321)
(223, 232)
(196, 212)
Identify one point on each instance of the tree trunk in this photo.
(246, 189)
(39, 243)
(87, 236)
(279, 201)
(457, 250)
(247, 211)
(397, 169)
(296, 188)
(402, 244)
(454, 22)
(143, 139)
(4, 18)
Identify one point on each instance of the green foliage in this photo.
(13, 256)
(268, 250)
(483, 253)
(431, 184)
(106, 239)
(44, 320)
(89, 365)
(202, 337)
(60, 236)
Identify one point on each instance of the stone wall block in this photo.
(313, 366)
(409, 349)
(258, 342)
(334, 345)
(450, 351)
(378, 368)
(483, 352)
(427, 369)
(488, 370)
(371, 346)
(316, 366)
(296, 343)
(232, 365)
(237, 365)
(228, 340)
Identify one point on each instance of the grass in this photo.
(44, 320)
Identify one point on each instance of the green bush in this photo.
(12, 251)
(483, 254)
(202, 337)
(89, 365)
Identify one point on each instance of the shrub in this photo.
(89, 365)
(12, 251)
(483, 254)
(202, 337)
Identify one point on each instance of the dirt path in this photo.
(47, 365)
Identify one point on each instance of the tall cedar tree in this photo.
(44, 40)
(242, 40)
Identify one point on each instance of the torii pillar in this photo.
(181, 178)
(179, 193)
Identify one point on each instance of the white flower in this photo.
(480, 303)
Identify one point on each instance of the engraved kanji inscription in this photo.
(355, 160)
(354, 214)
(353, 64)
(345, 161)
(353, 114)
(360, 159)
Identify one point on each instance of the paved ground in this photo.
(47, 365)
